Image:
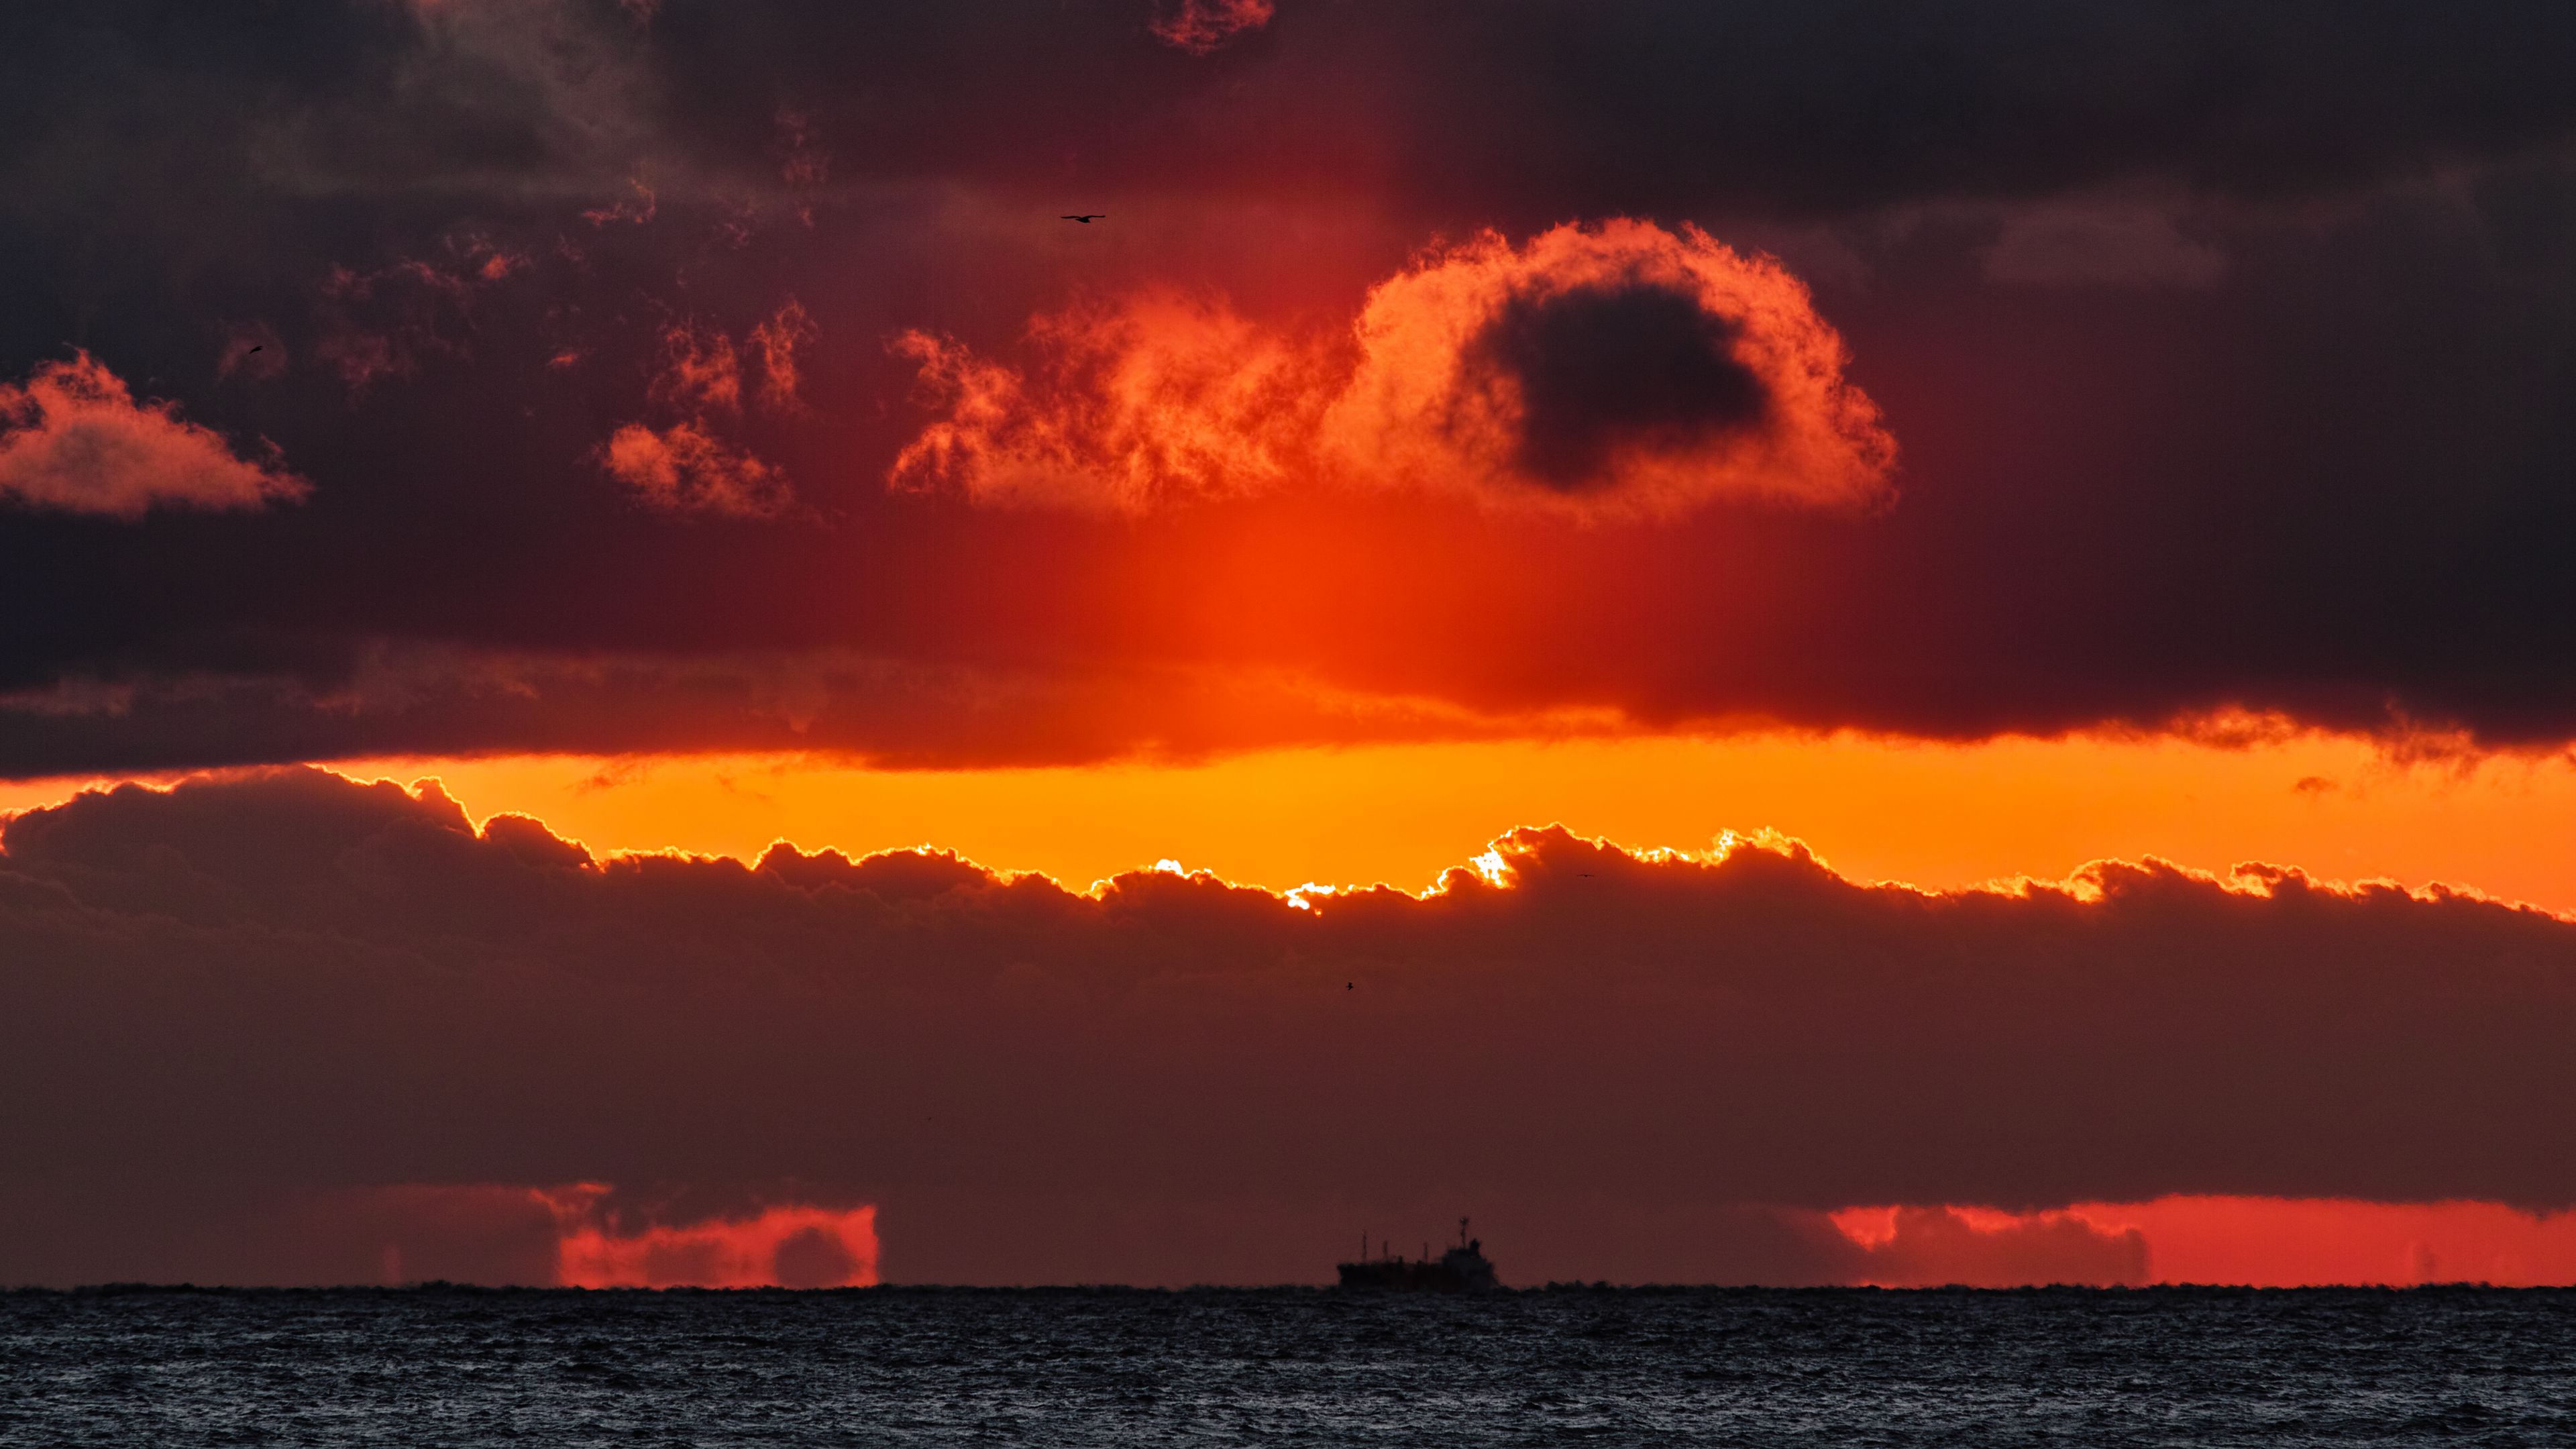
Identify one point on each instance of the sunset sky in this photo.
(1756, 642)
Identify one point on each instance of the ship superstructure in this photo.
(1462, 1269)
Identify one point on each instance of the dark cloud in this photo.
(1828, 107)
(1522, 113)
(1600, 367)
(1527, 112)
(899, 714)
(2225, 349)
(250, 989)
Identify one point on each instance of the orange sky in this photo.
(1934, 815)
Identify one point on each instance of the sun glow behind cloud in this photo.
(1936, 815)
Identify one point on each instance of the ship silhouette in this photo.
(1462, 1269)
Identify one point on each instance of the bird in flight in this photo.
(1085, 220)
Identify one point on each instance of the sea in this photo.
(907, 1366)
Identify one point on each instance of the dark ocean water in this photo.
(912, 1366)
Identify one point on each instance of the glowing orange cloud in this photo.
(2262, 1242)
(687, 465)
(684, 468)
(700, 373)
(1603, 370)
(1156, 398)
(790, 1246)
(74, 440)
(1201, 26)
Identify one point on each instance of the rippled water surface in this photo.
(900, 1366)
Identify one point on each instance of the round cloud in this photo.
(1620, 368)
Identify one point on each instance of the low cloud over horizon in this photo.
(248, 993)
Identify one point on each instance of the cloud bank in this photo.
(1639, 1066)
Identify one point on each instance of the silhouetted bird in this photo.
(1350, 986)
(1085, 220)
(253, 349)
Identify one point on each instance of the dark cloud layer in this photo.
(1522, 112)
(1530, 110)
(258, 996)
(2225, 348)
